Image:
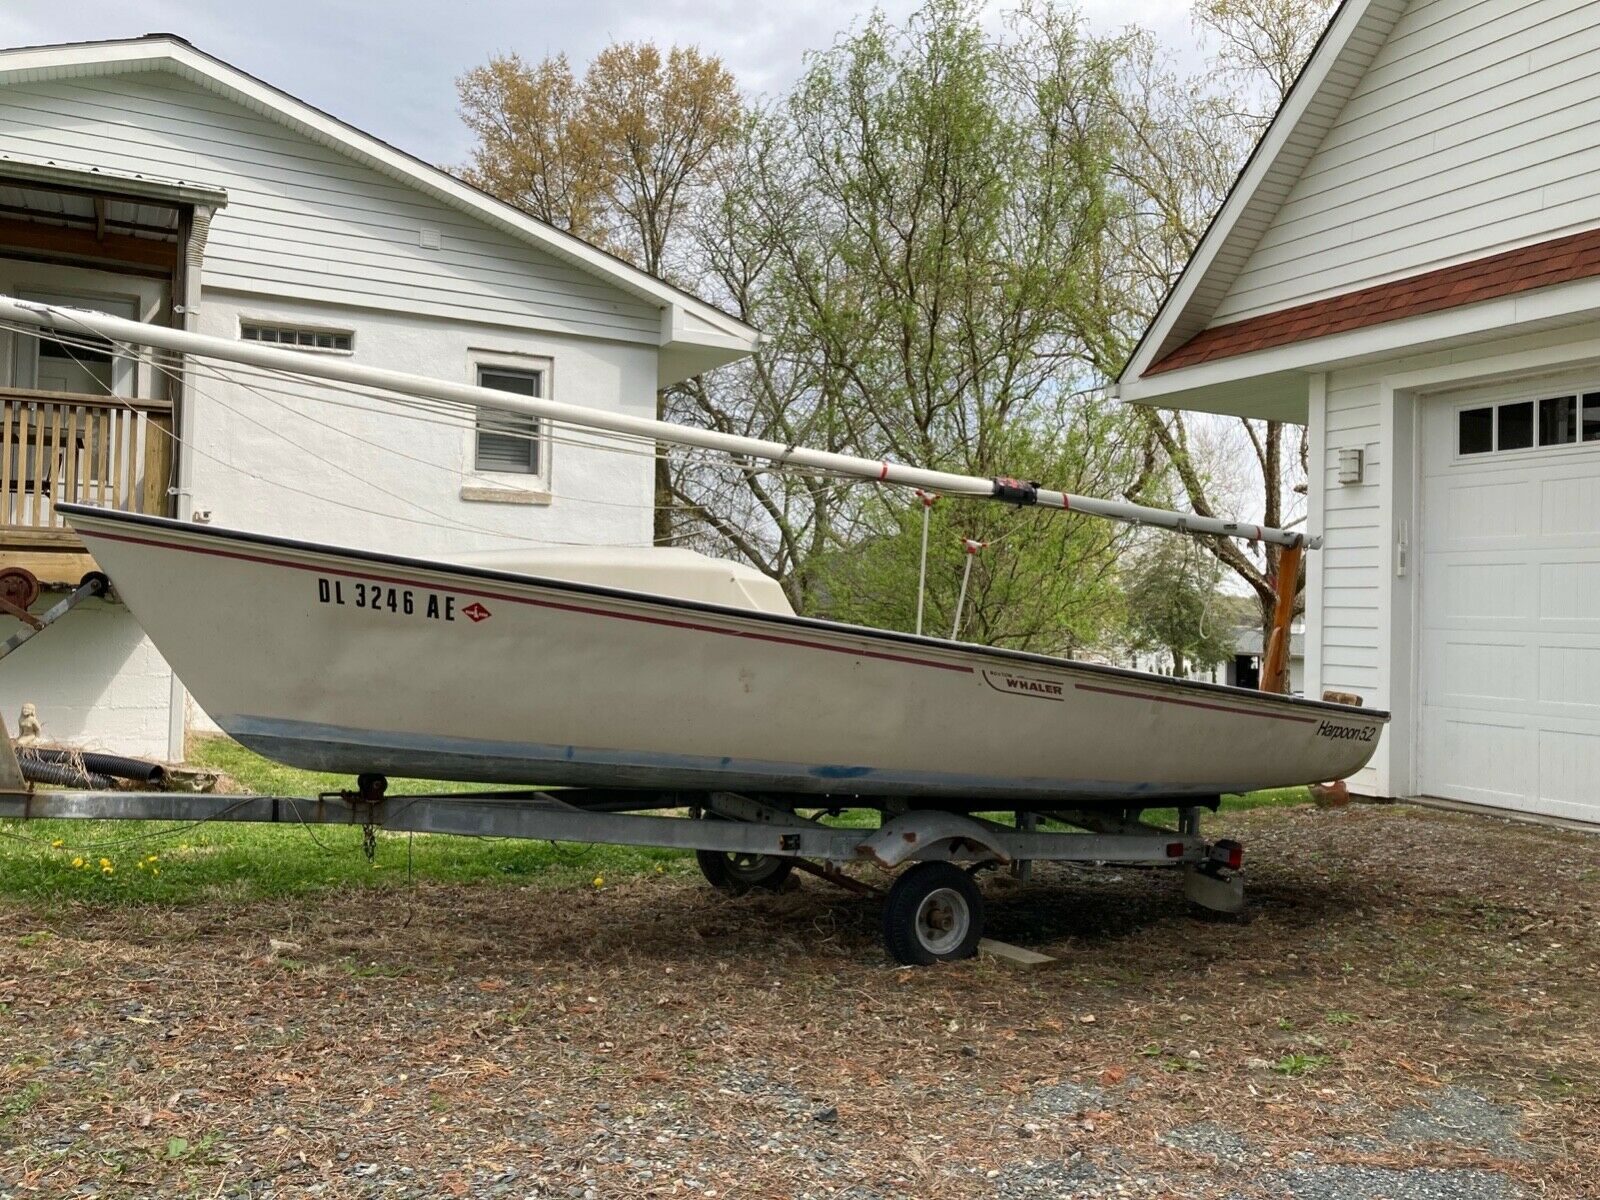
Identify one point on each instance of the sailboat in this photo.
(664, 669)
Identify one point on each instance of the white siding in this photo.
(96, 681)
(297, 467)
(1476, 129)
(1351, 562)
(305, 222)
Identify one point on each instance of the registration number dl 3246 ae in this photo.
(399, 600)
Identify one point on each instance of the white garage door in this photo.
(1509, 671)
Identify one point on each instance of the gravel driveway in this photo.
(1412, 1013)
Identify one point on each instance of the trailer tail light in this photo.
(1175, 849)
(1229, 853)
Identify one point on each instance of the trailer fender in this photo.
(932, 835)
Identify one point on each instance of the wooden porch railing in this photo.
(60, 447)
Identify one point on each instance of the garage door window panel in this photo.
(1476, 429)
(1528, 424)
(1514, 426)
(1558, 421)
(1591, 417)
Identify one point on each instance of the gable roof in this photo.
(695, 335)
(1336, 65)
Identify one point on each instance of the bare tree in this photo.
(614, 158)
(1183, 140)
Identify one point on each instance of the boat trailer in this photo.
(933, 907)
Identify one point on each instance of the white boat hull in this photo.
(344, 661)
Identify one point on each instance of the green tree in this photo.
(1174, 605)
(915, 227)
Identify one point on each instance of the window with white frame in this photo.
(341, 341)
(506, 441)
(1525, 424)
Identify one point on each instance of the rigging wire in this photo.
(444, 523)
(438, 412)
(441, 413)
(266, 394)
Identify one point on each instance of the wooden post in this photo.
(1275, 670)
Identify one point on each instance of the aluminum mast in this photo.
(77, 321)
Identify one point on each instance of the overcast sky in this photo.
(389, 66)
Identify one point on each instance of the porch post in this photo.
(196, 224)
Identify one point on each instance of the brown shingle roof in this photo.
(1560, 260)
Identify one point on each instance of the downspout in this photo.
(186, 316)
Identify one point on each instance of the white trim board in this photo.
(1353, 37)
(1462, 329)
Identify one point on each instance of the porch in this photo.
(69, 447)
(81, 422)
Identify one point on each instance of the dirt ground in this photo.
(1412, 1012)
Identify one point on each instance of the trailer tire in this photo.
(737, 873)
(934, 914)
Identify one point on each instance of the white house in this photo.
(1410, 264)
(147, 178)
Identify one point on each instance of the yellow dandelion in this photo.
(155, 870)
(57, 844)
(77, 863)
(599, 881)
(105, 862)
(108, 870)
(152, 858)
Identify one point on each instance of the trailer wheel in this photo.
(934, 914)
(737, 872)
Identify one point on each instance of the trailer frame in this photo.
(934, 846)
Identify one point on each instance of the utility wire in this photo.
(446, 414)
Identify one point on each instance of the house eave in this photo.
(1272, 169)
(157, 188)
(1271, 384)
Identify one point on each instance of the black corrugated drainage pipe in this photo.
(83, 764)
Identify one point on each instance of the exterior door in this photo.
(54, 367)
(1509, 615)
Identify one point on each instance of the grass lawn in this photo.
(119, 862)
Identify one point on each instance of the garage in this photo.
(1509, 599)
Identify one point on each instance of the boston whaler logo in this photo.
(1023, 685)
(476, 612)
